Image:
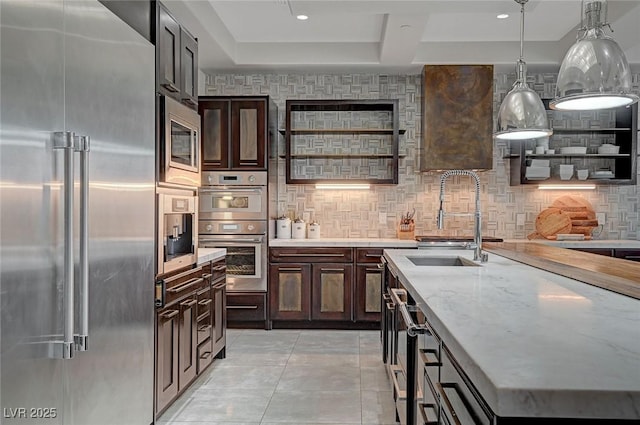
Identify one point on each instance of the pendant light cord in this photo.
(522, 29)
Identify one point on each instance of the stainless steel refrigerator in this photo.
(76, 215)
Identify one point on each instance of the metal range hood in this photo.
(457, 118)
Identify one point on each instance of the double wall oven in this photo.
(233, 215)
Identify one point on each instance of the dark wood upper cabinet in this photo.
(176, 59)
(189, 68)
(214, 128)
(168, 53)
(236, 132)
(248, 134)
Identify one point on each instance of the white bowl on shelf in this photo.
(608, 149)
(573, 150)
(537, 173)
(540, 163)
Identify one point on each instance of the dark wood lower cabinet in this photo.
(219, 318)
(325, 287)
(190, 329)
(290, 296)
(332, 290)
(188, 342)
(247, 310)
(166, 357)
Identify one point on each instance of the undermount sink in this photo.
(442, 261)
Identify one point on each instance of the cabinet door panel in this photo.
(168, 54)
(219, 317)
(248, 123)
(368, 292)
(290, 291)
(188, 336)
(331, 299)
(214, 117)
(332, 293)
(189, 69)
(166, 357)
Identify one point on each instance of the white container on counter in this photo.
(299, 229)
(314, 230)
(283, 228)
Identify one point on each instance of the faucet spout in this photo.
(478, 255)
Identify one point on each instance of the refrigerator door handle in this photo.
(82, 338)
(64, 349)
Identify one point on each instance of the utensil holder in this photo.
(406, 230)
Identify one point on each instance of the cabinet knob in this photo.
(209, 227)
(252, 178)
(251, 227)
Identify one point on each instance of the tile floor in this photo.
(290, 377)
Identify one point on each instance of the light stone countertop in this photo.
(534, 343)
(403, 243)
(344, 242)
(210, 254)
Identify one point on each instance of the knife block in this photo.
(406, 230)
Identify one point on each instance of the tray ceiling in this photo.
(389, 36)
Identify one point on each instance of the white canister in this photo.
(314, 230)
(283, 228)
(299, 229)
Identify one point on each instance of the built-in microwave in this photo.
(179, 137)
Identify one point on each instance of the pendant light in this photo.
(594, 73)
(522, 114)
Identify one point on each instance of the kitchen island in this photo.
(533, 344)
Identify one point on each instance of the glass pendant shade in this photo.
(594, 73)
(522, 114)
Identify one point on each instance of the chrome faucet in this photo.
(477, 231)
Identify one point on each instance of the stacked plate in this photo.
(607, 148)
(601, 174)
(573, 150)
(538, 170)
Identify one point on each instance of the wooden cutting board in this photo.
(583, 216)
(576, 206)
(552, 221)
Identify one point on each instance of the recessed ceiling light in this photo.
(302, 17)
(503, 16)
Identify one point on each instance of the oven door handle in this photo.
(413, 329)
(232, 189)
(232, 241)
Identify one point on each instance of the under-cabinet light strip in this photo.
(567, 186)
(340, 186)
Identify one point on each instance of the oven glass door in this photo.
(246, 259)
(182, 146)
(235, 203)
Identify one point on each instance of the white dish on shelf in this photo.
(608, 149)
(573, 150)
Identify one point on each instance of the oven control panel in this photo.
(229, 227)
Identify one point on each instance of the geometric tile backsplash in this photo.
(376, 212)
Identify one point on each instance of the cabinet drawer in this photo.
(245, 307)
(180, 285)
(369, 255)
(459, 402)
(218, 271)
(205, 355)
(311, 255)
